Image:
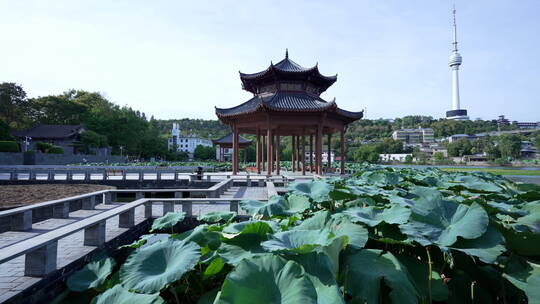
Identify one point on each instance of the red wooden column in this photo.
(293, 157)
(235, 150)
(342, 150)
(298, 147)
(303, 154)
(319, 149)
(311, 153)
(329, 162)
(263, 157)
(278, 149)
(269, 151)
(258, 151)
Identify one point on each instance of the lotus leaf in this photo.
(150, 269)
(276, 205)
(373, 216)
(298, 241)
(318, 191)
(268, 279)
(169, 220)
(93, 275)
(363, 272)
(120, 295)
(217, 216)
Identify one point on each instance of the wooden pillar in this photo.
(269, 151)
(311, 153)
(235, 151)
(263, 157)
(329, 161)
(258, 151)
(298, 150)
(293, 159)
(303, 155)
(278, 149)
(318, 149)
(342, 150)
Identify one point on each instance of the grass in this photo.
(495, 171)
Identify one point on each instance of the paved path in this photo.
(71, 248)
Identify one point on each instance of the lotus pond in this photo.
(385, 235)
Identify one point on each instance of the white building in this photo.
(324, 157)
(186, 143)
(414, 136)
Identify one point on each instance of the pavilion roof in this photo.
(50, 131)
(287, 69)
(227, 139)
(286, 101)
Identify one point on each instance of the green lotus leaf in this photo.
(234, 228)
(276, 205)
(381, 178)
(150, 269)
(373, 216)
(317, 221)
(487, 247)
(202, 236)
(529, 222)
(217, 216)
(140, 242)
(357, 236)
(318, 190)
(319, 270)
(120, 295)
(435, 220)
(418, 271)
(363, 272)
(525, 276)
(267, 279)
(298, 241)
(477, 184)
(246, 244)
(169, 220)
(92, 275)
(532, 289)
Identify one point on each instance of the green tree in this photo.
(92, 140)
(13, 105)
(408, 159)
(366, 153)
(460, 147)
(204, 153)
(5, 131)
(510, 145)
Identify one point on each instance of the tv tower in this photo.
(454, 63)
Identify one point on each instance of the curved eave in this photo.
(350, 115)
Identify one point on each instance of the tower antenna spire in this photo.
(455, 30)
(287, 53)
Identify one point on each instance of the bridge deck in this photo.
(70, 248)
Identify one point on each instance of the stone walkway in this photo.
(71, 248)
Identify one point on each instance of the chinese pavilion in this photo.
(226, 142)
(286, 102)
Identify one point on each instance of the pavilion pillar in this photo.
(303, 154)
(263, 157)
(329, 161)
(318, 149)
(342, 150)
(258, 151)
(235, 150)
(269, 151)
(311, 153)
(293, 156)
(298, 150)
(278, 149)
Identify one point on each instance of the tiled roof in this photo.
(50, 131)
(280, 101)
(227, 139)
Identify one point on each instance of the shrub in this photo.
(9, 146)
(56, 150)
(43, 147)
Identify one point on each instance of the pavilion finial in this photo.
(286, 53)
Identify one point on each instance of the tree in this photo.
(204, 153)
(408, 159)
(13, 105)
(510, 145)
(460, 147)
(537, 139)
(5, 131)
(366, 153)
(92, 140)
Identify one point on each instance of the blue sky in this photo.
(176, 59)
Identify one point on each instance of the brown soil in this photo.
(12, 196)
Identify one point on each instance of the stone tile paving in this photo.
(70, 248)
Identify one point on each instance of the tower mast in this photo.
(454, 63)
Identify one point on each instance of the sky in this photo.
(180, 59)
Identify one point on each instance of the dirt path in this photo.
(12, 196)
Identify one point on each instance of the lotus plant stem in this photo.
(472, 291)
(173, 291)
(429, 275)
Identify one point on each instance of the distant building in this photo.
(394, 157)
(65, 136)
(457, 137)
(185, 143)
(414, 136)
(527, 125)
(502, 121)
(324, 156)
